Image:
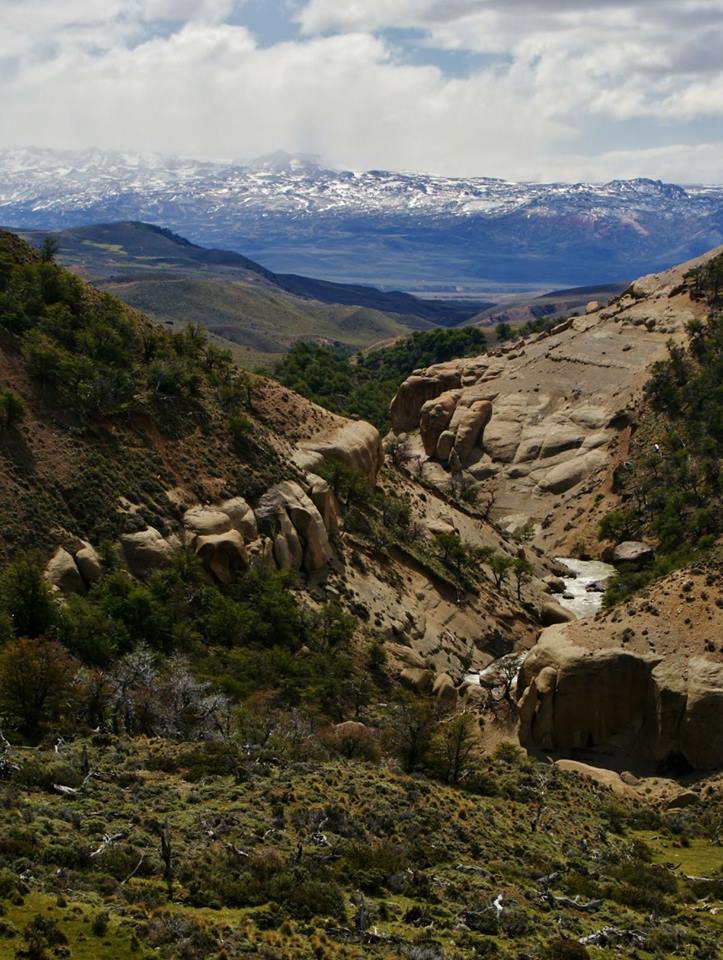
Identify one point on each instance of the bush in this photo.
(36, 684)
(12, 410)
(565, 949)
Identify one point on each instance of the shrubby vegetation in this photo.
(673, 486)
(88, 352)
(365, 384)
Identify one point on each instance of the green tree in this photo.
(522, 571)
(36, 684)
(500, 565)
(27, 598)
(12, 410)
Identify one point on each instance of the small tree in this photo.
(522, 570)
(454, 745)
(36, 684)
(500, 565)
(411, 731)
(26, 596)
(49, 249)
(12, 410)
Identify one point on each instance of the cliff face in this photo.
(541, 424)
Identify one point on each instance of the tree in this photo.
(12, 410)
(522, 570)
(26, 596)
(412, 728)
(454, 745)
(36, 684)
(500, 565)
(503, 330)
(49, 249)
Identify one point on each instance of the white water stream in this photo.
(585, 572)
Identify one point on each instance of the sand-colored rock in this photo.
(88, 563)
(632, 551)
(289, 516)
(418, 679)
(435, 417)
(445, 691)
(242, 517)
(145, 551)
(552, 613)
(204, 521)
(223, 554)
(323, 498)
(416, 390)
(574, 696)
(356, 443)
(63, 574)
(608, 778)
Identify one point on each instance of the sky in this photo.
(517, 89)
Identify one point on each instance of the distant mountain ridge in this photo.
(390, 229)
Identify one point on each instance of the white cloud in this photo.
(576, 88)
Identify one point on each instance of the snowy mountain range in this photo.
(393, 229)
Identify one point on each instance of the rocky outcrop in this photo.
(632, 551)
(63, 574)
(89, 564)
(145, 551)
(575, 698)
(541, 423)
(417, 390)
(291, 519)
(356, 443)
(223, 554)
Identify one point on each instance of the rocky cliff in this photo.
(541, 423)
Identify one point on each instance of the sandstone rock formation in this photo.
(63, 574)
(543, 422)
(576, 694)
(289, 516)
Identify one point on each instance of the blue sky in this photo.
(565, 89)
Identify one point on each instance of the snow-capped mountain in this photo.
(295, 215)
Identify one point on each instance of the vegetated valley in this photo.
(272, 686)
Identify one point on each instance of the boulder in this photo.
(204, 521)
(298, 530)
(88, 563)
(223, 554)
(405, 655)
(687, 798)
(63, 574)
(242, 517)
(632, 551)
(555, 584)
(608, 778)
(323, 498)
(594, 699)
(609, 699)
(593, 306)
(145, 551)
(405, 408)
(261, 554)
(434, 419)
(701, 736)
(552, 613)
(568, 474)
(357, 444)
(468, 424)
(444, 445)
(417, 679)
(445, 691)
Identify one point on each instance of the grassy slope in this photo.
(427, 830)
(259, 319)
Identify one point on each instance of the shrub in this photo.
(36, 684)
(12, 410)
(566, 949)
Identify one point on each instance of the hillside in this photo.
(177, 282)
(262, 678)
(385, 228)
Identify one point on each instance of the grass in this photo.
(270, 816)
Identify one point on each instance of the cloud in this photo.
(596, 88)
